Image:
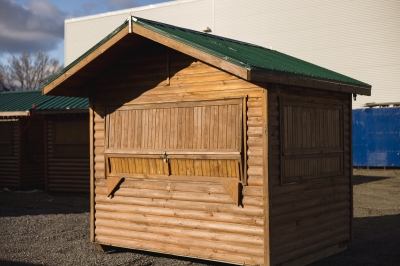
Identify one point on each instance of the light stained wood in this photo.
(233, 188)
(183, 115)
(173, 249)
(180, 240)
(166, 221)
(195, 234)
(112, 183)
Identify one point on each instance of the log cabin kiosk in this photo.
(212, 148)
(44, 142)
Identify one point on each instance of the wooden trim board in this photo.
(19, 113)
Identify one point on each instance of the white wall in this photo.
(358, 38)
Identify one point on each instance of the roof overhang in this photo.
(70, 82)
(62, 111)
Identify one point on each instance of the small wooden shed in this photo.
(21, 141)
(212, 148)
(67, 149)
(44, 142)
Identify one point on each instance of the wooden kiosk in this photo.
(212, 148)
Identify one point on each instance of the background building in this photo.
(356, 38)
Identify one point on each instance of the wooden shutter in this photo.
(187, 140)
(311, 140)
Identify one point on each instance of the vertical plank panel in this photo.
(145, 129)
(198, 168)
(229, 127)
(158, 129)
(181, 127)
(175, 136)
(222, 127)
(190, 126)
(167, 128)
(110, 131)
(233, 121)
(199, 124)
(153, 129)
(131, 129)
(205, 127)
(214, 127)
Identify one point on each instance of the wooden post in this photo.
(265, 149)
(351, 167)
(91, 127)
(244, 121)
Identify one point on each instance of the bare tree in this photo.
(27, 71)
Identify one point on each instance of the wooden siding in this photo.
(32, 152)
(69, 170)
(311, 209)
(9, 163)
(190, 218)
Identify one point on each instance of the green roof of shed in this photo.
(21, 101)
(255, 59)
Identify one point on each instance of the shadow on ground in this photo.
(156, 256)
(376, 242)
(361, 179)
(14, 204)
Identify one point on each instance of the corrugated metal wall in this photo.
(376, 141)
(356, 38)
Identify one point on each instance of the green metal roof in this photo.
(248, 56)
(23, 100)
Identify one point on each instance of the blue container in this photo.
(376, 137)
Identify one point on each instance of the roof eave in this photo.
(47, 89)
(14, 113)
(256, 75)
(63, 111)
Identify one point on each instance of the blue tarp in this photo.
(376, 137)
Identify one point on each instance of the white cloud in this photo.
(39, 25)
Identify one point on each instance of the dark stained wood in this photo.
(68, 168)
(325, 206)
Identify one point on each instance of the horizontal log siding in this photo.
(9, 163)
(312, 215)
(66, 174)
(197, 219)
(32, 157)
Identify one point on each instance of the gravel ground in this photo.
(43, 229)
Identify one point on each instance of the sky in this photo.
(38, 25)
